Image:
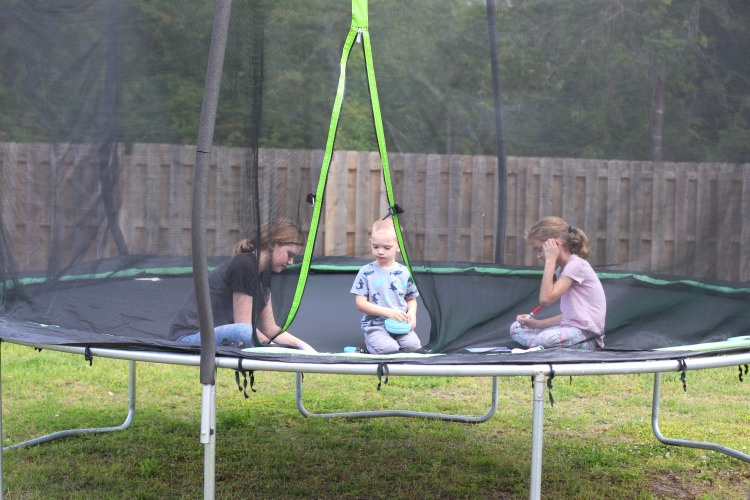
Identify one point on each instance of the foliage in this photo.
(635, 79)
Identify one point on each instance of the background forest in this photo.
(614, 79)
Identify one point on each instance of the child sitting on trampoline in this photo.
(569, 278)
(386, 294)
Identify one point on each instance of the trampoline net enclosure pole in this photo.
(219, 35)
(200, 186)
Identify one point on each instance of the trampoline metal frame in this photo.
(467, 419)
(538, 372)
(93, 430)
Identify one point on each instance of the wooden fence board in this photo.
(658, 215)
(589, 215)
(222, 201)
(478, 215)
(727, 224)
(681, 244)
(287, 190)
(545, 187)
(410, 200)
(363, 216)
(9, 168)
(522, 195)
(569, 210)
(267, 181)
(454, 201)
(704, 239)
(631, 198)
(432, 188)
(50, 218)
(153, 174)
(744, 272)
(126, 217)
(335, 204)
(174, 205)
(28, 205)
(614, 173)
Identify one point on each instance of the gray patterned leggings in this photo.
(554, 336)
(379, 341)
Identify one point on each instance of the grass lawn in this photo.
(597, 437)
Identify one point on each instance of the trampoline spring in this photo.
(549, 385)
(243, 387)
(382, 371)
(740, 370)
(683, 372)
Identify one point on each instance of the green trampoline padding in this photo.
(285, 350)
(710, 346)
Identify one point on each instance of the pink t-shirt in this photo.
(584, 304)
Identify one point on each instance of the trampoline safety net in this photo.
(466, 121)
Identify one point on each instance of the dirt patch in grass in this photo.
(732, 484)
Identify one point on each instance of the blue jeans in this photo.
(242, 332)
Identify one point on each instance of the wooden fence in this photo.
(682, 218)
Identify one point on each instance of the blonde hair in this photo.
(277, 232)
(385, 225)
(574, 239)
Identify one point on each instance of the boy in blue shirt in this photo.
(383, 289)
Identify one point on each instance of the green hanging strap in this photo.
(394, 209)
(359, 31)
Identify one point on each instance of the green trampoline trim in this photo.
(711, 346)
(286, 350)
(123, 273)
(188, 270)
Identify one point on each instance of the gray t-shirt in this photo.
(238, 274)
(384, 287)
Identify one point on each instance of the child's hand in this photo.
(399, 315)
(304, 346)
(527, 320)
(413, 320)
(551, 249)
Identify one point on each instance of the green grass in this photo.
(597, 437)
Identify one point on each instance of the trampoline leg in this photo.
(396, 413)
(208, 439)
(96, 430)
(2, 470)
(684, 442)
(537, 423)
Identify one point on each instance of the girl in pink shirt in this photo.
(569, 278)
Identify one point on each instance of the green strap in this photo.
(359, 28)
(378, 119)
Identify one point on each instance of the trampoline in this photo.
(135, 333)
(110, 214)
